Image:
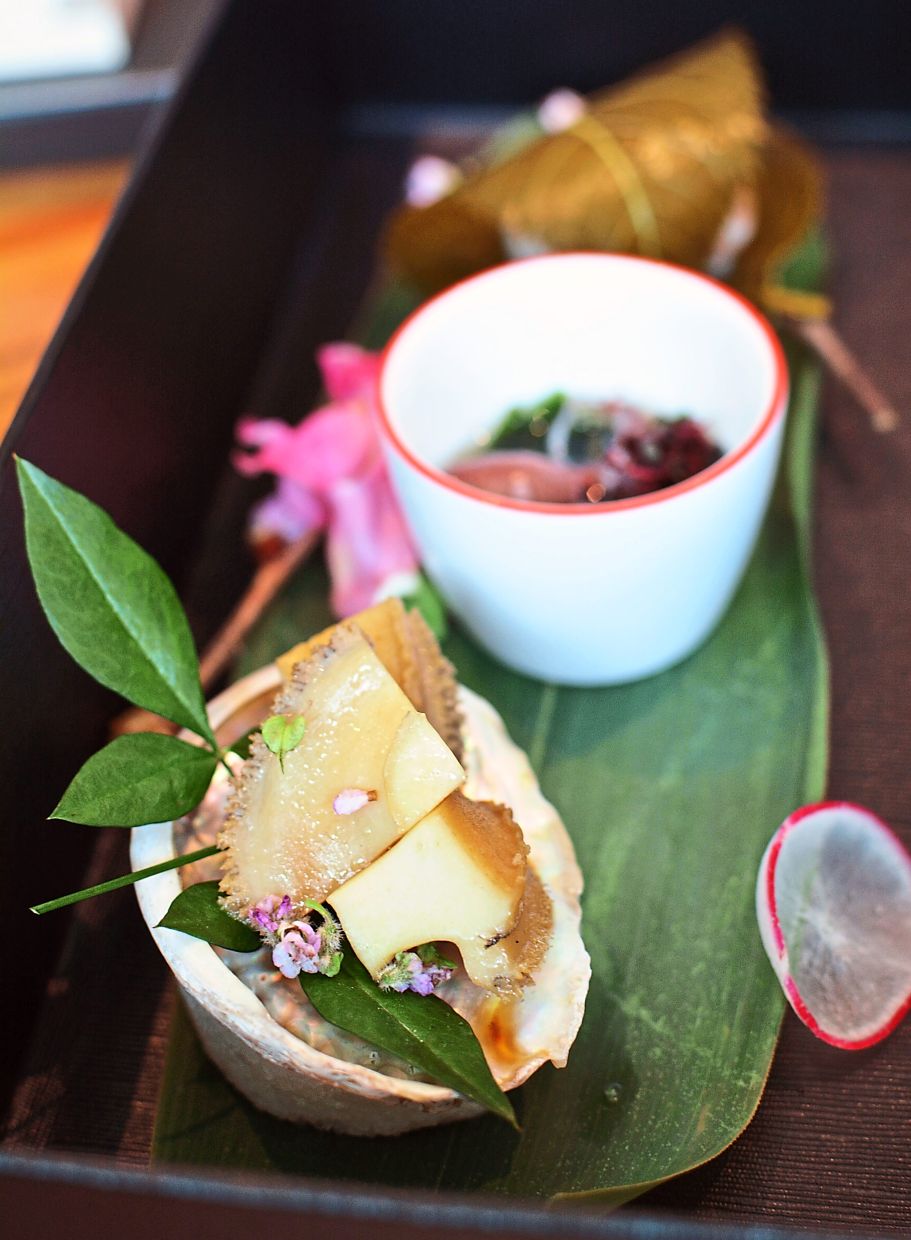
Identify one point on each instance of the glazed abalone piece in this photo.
(235, 1004)
(408, 649)
(282, 830)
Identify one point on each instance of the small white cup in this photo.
(585, 594)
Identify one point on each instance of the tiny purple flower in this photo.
(298, 950)
(269, 912)
(422, 983)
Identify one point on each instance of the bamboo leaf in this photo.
(140, 778)
(110, 604)
(197, 911)
(422, 1030)
(670, 788)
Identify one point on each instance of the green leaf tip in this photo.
(283, 733)
(429, 953)
(422, 1030)
(112, 607)
(241, 746)
(198, 911)
(136, 779)
(334, 965)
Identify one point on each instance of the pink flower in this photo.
(298, 950)
(350, 800)
(331, 477)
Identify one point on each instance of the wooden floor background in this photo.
(51, 220)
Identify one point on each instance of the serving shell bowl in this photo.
(285, 1076)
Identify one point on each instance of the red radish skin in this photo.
(767, 887)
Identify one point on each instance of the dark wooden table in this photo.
(829, 1147)
(831, 1142)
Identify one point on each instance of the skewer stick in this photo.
(267, 581)
(828, 344)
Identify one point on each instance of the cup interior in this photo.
(596, 326)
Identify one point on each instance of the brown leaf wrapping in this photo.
(788, 191)
(654, 167)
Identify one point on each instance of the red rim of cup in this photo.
(774, 409)
(794, 995)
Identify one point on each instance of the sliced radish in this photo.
(833, 900)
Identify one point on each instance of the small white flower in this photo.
(398, 585)
(429, 179)
(560, 110)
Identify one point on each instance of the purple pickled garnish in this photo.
(593, 453)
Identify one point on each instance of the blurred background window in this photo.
(79, 80)
(49, 38)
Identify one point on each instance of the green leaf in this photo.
(334, 965)
(422, 1030)
(282, 733)
(111, 606)
(429, 602)
(137, 779)
(522, 426)
(807, 267)
(197, 911)
(429, 953)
